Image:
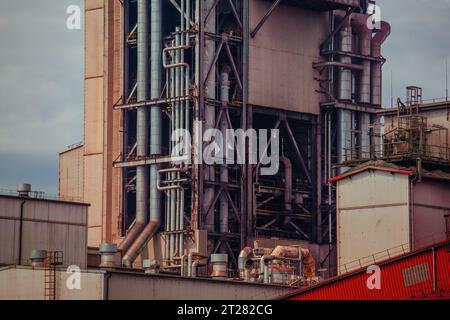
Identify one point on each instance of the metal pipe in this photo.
(263, 269)
(22, 204)
(136, 248)
(142, 136)
(224, 175)
(242, 261)
(377, 41)
(359, 24)
(142, 129)
(156, 121)
(345, 81)
(287, 183)
(177, 115)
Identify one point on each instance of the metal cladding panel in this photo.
(431, 200)
(71, 174)
(94, 44)
(400, 279)
(373, 216)
(281, 57)
(93, 186)
(93, 116)
(28, 284)
(93, 4)
(47, 225)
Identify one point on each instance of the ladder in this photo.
(54, 259)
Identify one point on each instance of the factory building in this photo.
(298, 85)
(309, 69)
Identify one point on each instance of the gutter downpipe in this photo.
(106, 278)
(22, 204)
(155, 215)
(142, 135)
(377, 41)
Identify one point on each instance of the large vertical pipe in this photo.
(142, 136)
(156, 111)
(210, 113)
(172, 193)
(365, 38)
(345, 79)
(377, 41)
(225, 98)
(177, 119)
(156, 122)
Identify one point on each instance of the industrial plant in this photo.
(297, 84)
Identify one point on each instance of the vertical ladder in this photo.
(54, 258)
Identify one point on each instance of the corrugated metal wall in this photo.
(402, 278)
(47, 225)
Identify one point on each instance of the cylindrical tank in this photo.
(38, 257)
(108, 255)
(219, 264)
(24, 189)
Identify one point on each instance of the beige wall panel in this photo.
(93, 116)
(373, 216)
(365, 232)
(92, 4)
(94, 236)
(93, 188)
(280, 68)
(94, 44)
(71, 165)
(23, 283)
(370, 188)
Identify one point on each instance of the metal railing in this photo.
(40, 195)
(390, 253)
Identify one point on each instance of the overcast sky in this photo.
(41, 77)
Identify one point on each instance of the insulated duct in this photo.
(377, 41)
(156, 122)
(359, 24)
(345, 78)
(210, 113)
(142, 126)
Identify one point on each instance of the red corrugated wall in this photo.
(393, 287)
